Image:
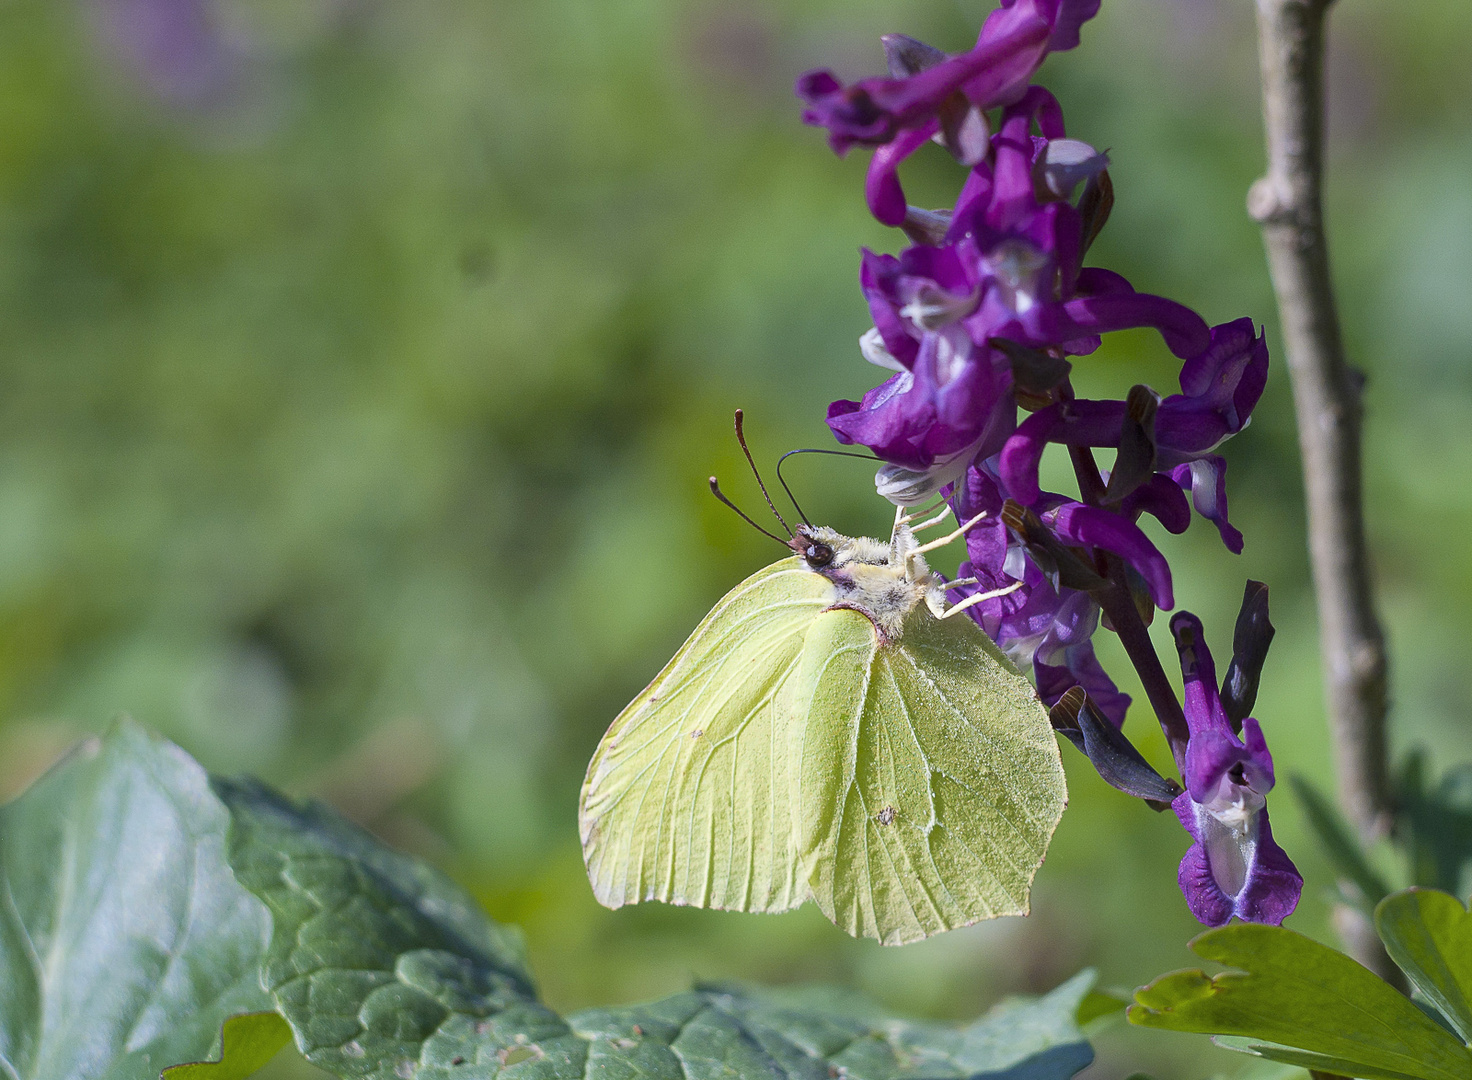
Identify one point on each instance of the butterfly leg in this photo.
(904, 515)
(972, 601)
(932, 522)
(952, 537)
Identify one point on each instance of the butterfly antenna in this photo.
(810, 450)
(715, 489)
(741, 438)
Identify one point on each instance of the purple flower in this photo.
(952, 397)
(1234, 867)
(1044, 626)
(1012, 248)
(1220, 387)
(930, 94)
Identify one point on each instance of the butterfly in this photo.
(831, 733)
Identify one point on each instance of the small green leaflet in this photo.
(823, 735)
(247, 1045)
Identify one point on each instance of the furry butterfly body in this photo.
(826, 734)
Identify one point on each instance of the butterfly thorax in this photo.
(884, 582)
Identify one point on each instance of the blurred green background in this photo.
(361, 365)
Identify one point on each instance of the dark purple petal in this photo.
(888, 420)
(1208, 903)
(1221, 387)
(1251, 639)
(1095, 527)
(1206, 478)
(1075, 423)
(1081, 667)
(1070, 15)
(1013, 43)
(875, 273)
(1185, 333)
(882, 190)
(1163, 498)
(954, 404)
(1202, 702)
(1096, 281)
(1273, 884)
(1229, 872)
(1231, 372)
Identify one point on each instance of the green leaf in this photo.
(247, 1044)
(1292, 991)
(1102, 1005)
(384, 968)
(1338, 843)
(1324, 1064)
(375, 959)
(1429, 936)
(125, 940)
(1438, 821)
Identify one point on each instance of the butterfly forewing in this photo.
(931, 778)
(691, 796)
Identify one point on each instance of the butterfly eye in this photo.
(817, 555)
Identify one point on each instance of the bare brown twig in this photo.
(1326, 393)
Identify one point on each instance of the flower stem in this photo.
(1119, 605)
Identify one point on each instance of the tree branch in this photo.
(1326, 393)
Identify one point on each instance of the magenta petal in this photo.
(1185, 333)
(1072, 14)
(1023, 453)
(1099, 528)
(1081, 667)
(1273, 882)
(1076, 423)
(1206, 478)
(882, 186)
(1204, 897)
(1163, 498)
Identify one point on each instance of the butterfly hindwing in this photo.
(931, 779)
(691, 796)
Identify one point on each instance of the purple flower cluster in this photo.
(977, 319)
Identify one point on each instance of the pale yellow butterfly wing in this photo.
(931, 779)
(691, 797)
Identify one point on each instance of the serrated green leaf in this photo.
(125, 940)
(1429, 936)
(247, 1044)
(375, 959)
(808, 1034)
(1290, 990)
(385, 969)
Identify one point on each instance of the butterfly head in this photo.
(837, 557)
(816, 545)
